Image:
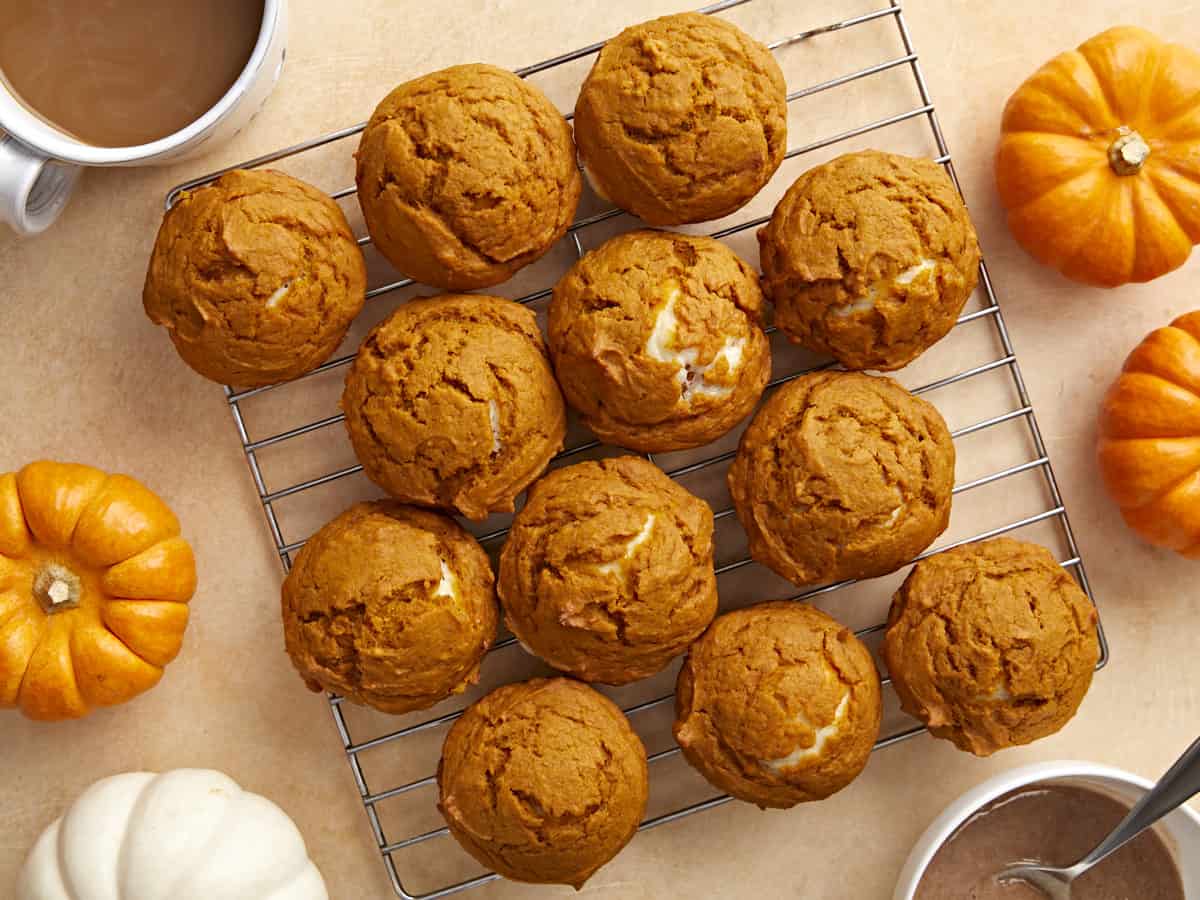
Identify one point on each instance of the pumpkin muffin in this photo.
(608, 570)
(842, 475)
(682, 119)
(256, 278)
(466, 175)
(390, 606)
(543, 781)
(870, 258)
(657, 340)
(991, 645)
(451, 402)
(778, 704)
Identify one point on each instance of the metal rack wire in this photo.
(1055, 512)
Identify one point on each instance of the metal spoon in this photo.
(1179, 785)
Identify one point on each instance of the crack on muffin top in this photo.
(466, 175)
(390, 606)
(778, 704)
(543, 780)
(220, 258)
(607, 572)
(842, 475)
(451, 402)
(682, 119)
(843, 250)
(656, 340)
(991, 644)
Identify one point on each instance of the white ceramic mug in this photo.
(39, 164)
(1181, 828)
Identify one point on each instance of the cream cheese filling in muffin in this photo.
(778, 704)
(657, 340)
(883, 288)
(620, 566)
(661, 345)
(607, 571)
(447, 585)
(822, 734)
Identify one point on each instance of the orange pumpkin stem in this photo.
(56, 588)
(1128, 153)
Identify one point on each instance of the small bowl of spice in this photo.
(1054, 813)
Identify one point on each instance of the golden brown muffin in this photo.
(842, 475)
(466, 175)
(543, 781)
(778, 704)
(390, 606)
(870, 258)
(657, 341)
(451, 402)
(991, 645)
(608, 570)
(682, 119)
(256, 278)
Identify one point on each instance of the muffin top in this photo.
(466, 175)
(870, 258)
(842, 475)
(451, 402)
(543, 781)
(390, 606)
(608, 570)
(778, 704)
(656, 340)
(991, 644)
(256, 278)
(682, 119)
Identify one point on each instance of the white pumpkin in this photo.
(189, 834)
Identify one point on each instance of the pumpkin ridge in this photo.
(1145, 223)
(1153, 46)
(1151, 184)
(1082, 248)
(1189, 324)
(1150, 373)
(10, 613)
(203, 851)
(1161, 495)
(1083, 172)
(124, 644)
(46, 629)
(136, 811)
(1102, 89)
(1164, 491)
(70, 542)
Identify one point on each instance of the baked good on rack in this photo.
(390, 606)
(466, 175)
(870, 258)
(657, 341)
(543, 781)
(682, 119)
(991, 645)
(451, 402)
(842, 475)
(256, 278)
(778, 704)
(608, 570)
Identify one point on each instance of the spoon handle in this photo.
(1179, 785)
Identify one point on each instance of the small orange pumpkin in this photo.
(1150, 437)
(94, 584)
(1099, 159)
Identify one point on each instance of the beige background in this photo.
(86, 377)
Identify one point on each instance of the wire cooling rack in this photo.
(287, 467)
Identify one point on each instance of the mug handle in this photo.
(33, 188)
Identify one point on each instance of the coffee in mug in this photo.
(120, 73)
